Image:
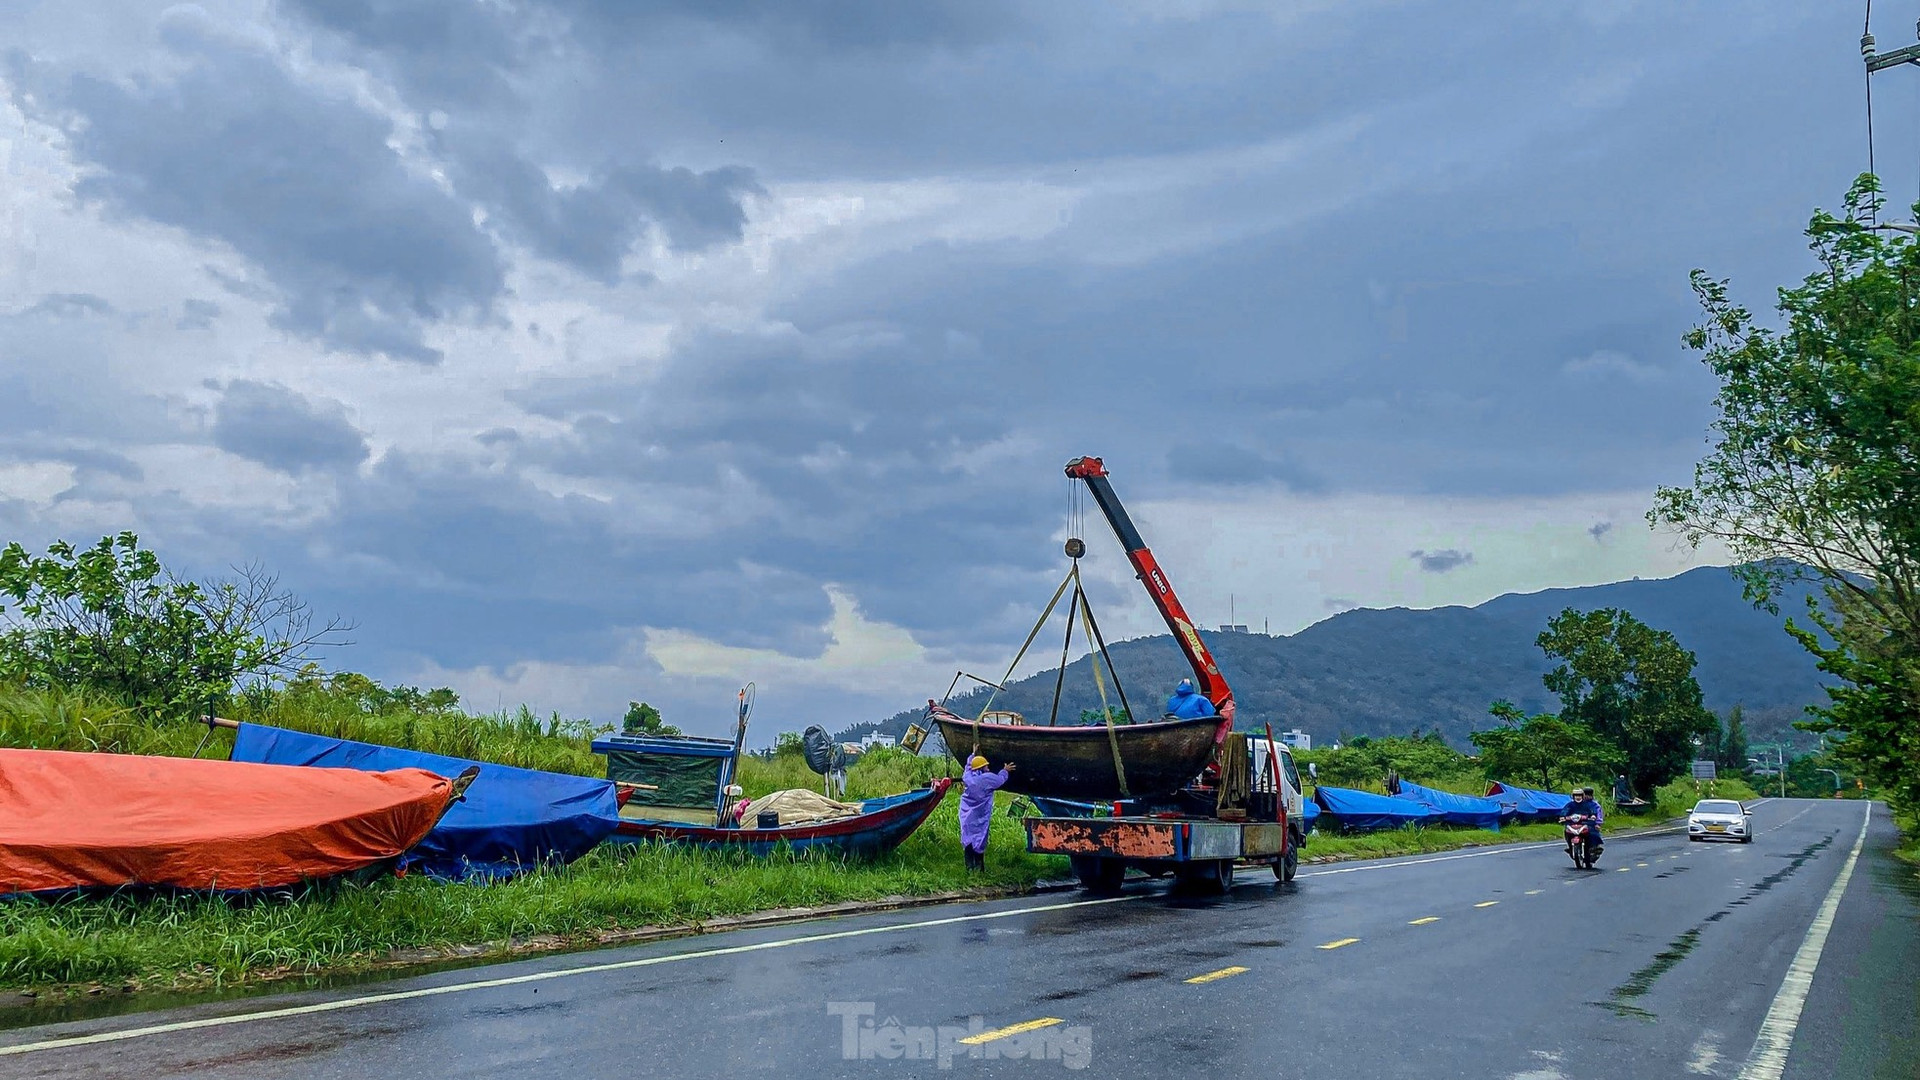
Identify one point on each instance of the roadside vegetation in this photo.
(1812, 471)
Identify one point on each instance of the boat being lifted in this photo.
(1111, 760)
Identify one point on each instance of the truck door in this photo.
(1296, 804)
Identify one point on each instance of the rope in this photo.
(1066, 647)
(1034, 633)
(1101, 641)
(1100, 681)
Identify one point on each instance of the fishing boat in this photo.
(1114, 760)
(675, 789)
(1078, 762)
(87, 821)
(515, 819)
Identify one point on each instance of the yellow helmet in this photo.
(976, 762)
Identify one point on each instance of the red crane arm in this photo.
(1147, 569)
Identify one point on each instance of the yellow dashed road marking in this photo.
(1534, 892)
(1425, 921)
(1343, 942)
(1011, 1029)
(1623, 870)
(1223, 973)
(1486, 903)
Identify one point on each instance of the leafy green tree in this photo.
(789, 744)
(1544, 750)
(1815, 469)
(1095, 716)
(1633, 685)
(111, 619)
(644, 719)
(1732, 757)
(1363, 760)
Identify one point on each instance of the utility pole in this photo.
(1836, 780)
(1879, 61)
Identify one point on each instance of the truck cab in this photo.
(1264, 750)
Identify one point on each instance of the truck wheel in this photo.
(1098, 875)
(1289, 863)
(1212, 877)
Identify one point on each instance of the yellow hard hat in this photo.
(976, 762)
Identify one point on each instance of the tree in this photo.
(1733, 743)
(1815, 471)
(1544, 750)
(1632, 684)
(644, 719)
(112, 619)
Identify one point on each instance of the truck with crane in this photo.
(1244, 807)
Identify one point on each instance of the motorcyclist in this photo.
(1587, 806)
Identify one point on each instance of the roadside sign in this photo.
(1705, 770)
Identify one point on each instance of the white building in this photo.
(1297, 739)
(876, 739)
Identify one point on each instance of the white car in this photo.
(1720, 819)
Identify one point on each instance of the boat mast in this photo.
(1213, 684)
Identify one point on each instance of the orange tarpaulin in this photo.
(72, 820)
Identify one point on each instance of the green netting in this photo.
(679, 781)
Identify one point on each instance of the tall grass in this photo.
(187, 941)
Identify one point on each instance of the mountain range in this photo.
(1396, 671)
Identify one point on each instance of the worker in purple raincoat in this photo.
(976, 808)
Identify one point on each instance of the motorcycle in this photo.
(1583, 840)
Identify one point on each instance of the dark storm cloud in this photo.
(69, 304)
(197, 315)
(859, 448)
(592, 226)
(284, 430)
(361, 251)
(1440, 562)
(1205, 459)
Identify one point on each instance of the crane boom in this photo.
(1213, 684)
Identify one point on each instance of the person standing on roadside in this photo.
(976, 808)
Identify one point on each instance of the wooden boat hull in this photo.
(871, 834)
(1159, 757)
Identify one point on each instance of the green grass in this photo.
(187, 942)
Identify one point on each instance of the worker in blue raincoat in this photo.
(1188, 703)
(976, 808)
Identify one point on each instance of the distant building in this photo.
(876, 739)
(1297, 739)
(1233, 628)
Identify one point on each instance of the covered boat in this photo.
(514, 820)
(1469, 810)
(1364, 811)
(1078, 762)
(81, 821)
(674, 789)
(1531, 804)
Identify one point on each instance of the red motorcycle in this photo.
(1583, 840)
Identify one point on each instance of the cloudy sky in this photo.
(590, 350)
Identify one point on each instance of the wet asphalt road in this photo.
(1501, 963)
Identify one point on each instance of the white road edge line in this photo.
(1770, 1048)
(534, 977)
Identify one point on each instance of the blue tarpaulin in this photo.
(1309, 815)
(512, 819)
(1363, 811)
(1533, 805)
(1469, 810)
